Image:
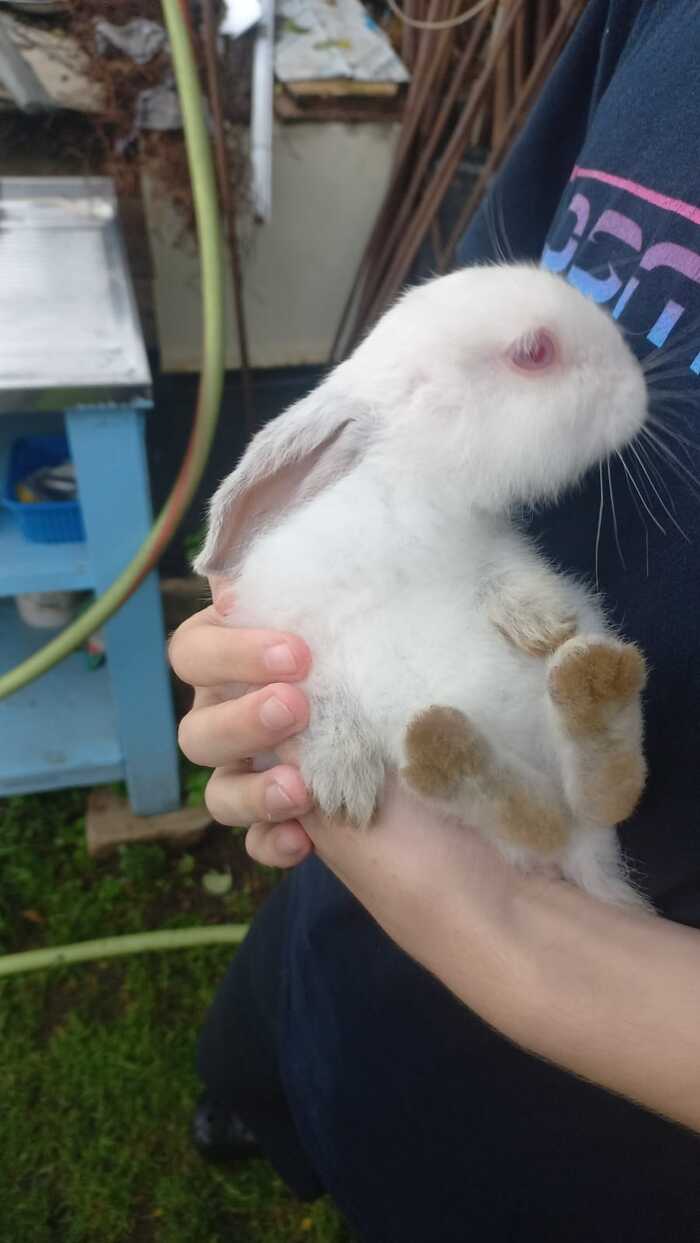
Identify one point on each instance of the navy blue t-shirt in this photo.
(423, 1123)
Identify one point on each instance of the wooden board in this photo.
(343, 87)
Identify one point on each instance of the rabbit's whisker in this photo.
(614, 516)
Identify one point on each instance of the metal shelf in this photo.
(25, 566)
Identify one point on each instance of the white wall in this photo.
(328, 182)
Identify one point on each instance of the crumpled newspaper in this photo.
(157, 107)
(140, 39)
(318, 39)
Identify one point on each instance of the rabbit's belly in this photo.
(397, 651)
(398, 665)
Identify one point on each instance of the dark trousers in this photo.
(237, 1055)
(429, 1107)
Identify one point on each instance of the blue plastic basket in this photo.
(42, 522)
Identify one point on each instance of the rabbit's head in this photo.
(491, 386)
(502, 384)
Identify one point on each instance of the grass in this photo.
(96, 1068)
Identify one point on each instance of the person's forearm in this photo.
(610, 995)
(613, 996)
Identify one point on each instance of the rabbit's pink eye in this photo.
(533, 352)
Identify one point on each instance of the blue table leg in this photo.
(108, 449)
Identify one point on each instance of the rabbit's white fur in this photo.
(374, 519)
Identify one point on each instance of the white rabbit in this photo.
(374, 518)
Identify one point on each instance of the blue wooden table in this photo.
(76, 725)
(72, 360)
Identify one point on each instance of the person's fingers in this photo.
(278, 845)
(238, 799)
(222, 733)
(205, 696)
(205, 652)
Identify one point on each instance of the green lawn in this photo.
(96, 1061)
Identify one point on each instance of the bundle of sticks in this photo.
(473, 84)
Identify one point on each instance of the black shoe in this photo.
(220, 1134)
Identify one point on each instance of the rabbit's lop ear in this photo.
(318, 440)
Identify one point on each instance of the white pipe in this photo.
(262, 111)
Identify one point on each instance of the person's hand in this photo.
(412, 862)
(245, 705)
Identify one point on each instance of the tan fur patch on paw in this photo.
(535, 634)
(527, 822)
(442, 747)
(613, 793)
(590, 678)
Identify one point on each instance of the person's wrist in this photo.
(563, 937)
(492, 945)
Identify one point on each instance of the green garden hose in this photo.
(116, 947)
(211, 380)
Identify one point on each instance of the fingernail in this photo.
(276, 715)
(277, 801)
(281, 659)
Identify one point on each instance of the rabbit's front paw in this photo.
(530, 611)
(345, 774)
